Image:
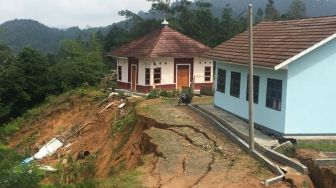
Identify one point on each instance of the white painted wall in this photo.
(123, 62)
(199, 68)
(311, 92)
(267, 117)
(167, 69)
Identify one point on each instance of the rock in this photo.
(64, 161)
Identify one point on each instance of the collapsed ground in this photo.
(164, 144)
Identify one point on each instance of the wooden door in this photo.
(182, 76)
(134, 76)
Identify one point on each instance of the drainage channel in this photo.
(275, 156)
(275, 168)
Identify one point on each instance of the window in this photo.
(147, 76)
(119, 72)
(221, 80)
(207, 74)
(235, 84)
(274, 94)
(256, 80)
(157, 75)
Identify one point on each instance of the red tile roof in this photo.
(275, 42)
(164, 42)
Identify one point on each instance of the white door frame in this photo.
(136, 72)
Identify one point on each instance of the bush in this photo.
(208, 91)
(13, 174)
(155, 93)
(169, 94)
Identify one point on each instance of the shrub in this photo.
(12, 174)
(169, 94)
(155, 93)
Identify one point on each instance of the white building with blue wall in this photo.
(294, 76)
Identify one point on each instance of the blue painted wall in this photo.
(267, 117)
(311, 97)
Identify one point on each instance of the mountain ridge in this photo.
(20, 33)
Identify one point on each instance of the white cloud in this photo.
(67, 13)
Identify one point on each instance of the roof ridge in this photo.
(159, 37)
(301, 19)
(192, 39)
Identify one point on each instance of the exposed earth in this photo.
(192, 153)
(169, 145)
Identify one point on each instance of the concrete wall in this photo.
(264, 116)
(167, 69)
(199, 67)
(123, 62)
(311, 93)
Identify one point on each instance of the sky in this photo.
(68, 13)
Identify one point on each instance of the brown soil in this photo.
(95, 137)
(321, 176)
(171, 146)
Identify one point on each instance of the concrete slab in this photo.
(239, 126)
(131, 93)
(312, 137)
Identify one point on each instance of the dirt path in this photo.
(192, 153)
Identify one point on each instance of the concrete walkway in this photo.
(238, 126)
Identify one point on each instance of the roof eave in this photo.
(234, 63)
(303, 53)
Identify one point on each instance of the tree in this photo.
(116, 37)
(6, 57)
(79, 62)
(162, 7)
(271, 13)
(297, 10)
(38, 78)
(259, 17)
(13, 96)
(228, 24)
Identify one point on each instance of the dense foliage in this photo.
(18, 34)
(29, 77)
(196, 20)
(13, 174)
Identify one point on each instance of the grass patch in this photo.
(128, 179)
(288, 151)
(126, 121)
(74, 172)
(318, 145)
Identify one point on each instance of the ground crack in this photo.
(179, 175)
(207, 172)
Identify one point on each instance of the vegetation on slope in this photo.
(28, 78)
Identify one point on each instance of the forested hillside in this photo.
(314, 8)
(18, 34)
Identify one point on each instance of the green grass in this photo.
(13, 174)
(124, 122)
(128, 179)
(289, 151)
(318, 145)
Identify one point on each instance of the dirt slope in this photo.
(74, 112)
(170, 146)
